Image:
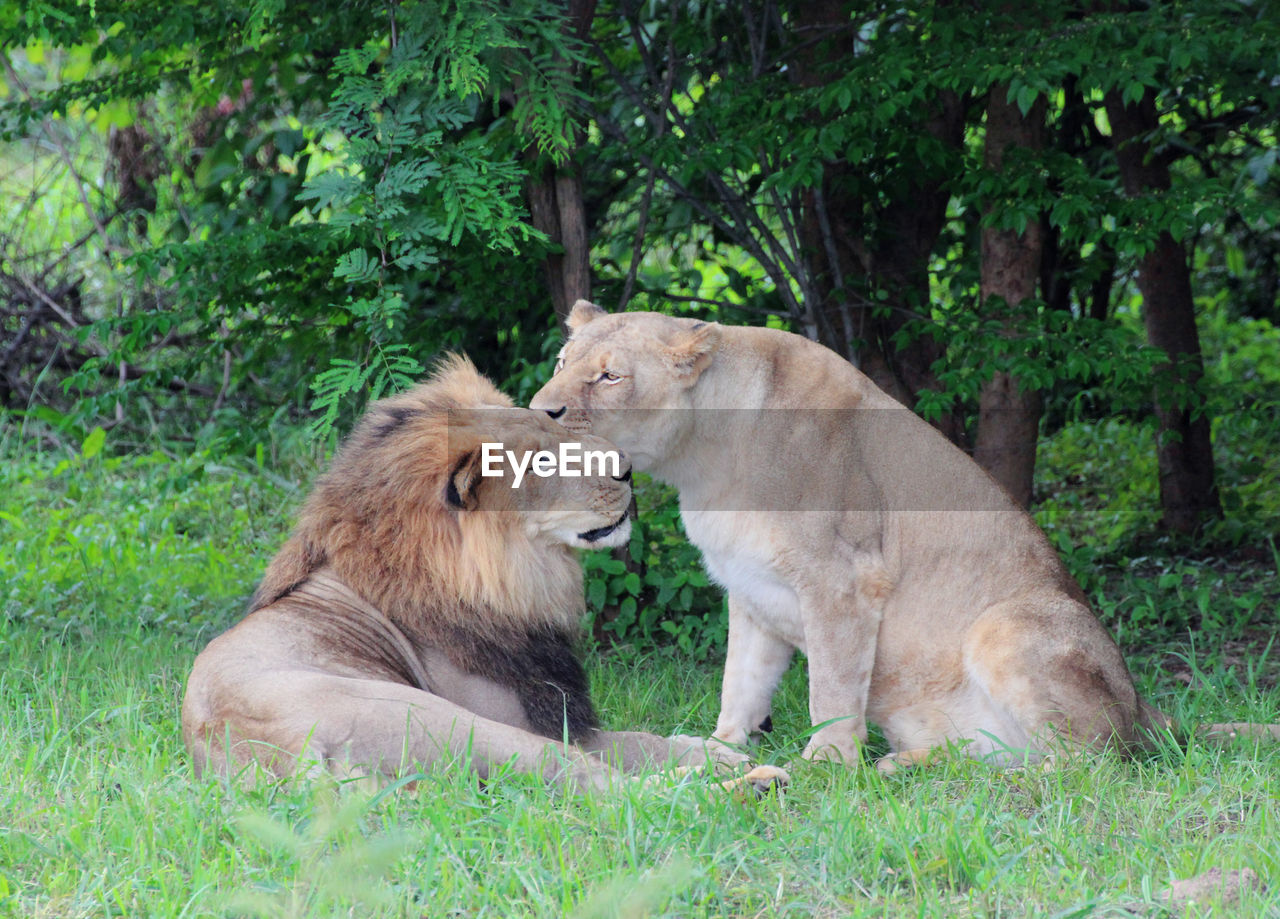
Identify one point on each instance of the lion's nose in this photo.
(625, 477)
(555, 413)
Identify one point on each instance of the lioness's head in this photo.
(457, 446)
(628, 377)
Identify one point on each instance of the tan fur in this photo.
(379, 635)
(844, 526)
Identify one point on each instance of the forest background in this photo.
(1050, 229)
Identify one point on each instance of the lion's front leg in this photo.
(756, 660)
(636, 751)
(683, 755)
(353, 726)
(840, 640)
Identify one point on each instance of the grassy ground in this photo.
(113, 573)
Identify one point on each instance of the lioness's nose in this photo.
(555, 413)
(625, 477)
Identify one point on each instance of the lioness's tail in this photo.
(1154, 721)
(1225, 733)
(1151, 719)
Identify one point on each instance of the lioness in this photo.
(423, 607)
(843, 525)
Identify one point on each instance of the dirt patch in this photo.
(1214, 888)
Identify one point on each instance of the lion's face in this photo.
(422, 501)
(627, 377)
(566, 487)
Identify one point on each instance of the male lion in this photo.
(425, 608)
(843, 525)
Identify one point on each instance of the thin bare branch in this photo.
(747, 227)
(647, 199)
(73, 247)
(226, 384)
(735, 201)
(35, 291)
(744, 237)
(101, 229)
(833, 260)
(638, 246)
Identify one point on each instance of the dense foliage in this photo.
(224, 226)
(221, 220)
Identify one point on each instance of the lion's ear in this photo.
(690, 351)
(460, 491)
(583, 312)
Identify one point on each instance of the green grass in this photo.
(114, 573)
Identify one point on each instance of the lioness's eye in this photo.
(608, 376)
(559, 366)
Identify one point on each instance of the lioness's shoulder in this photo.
(795, 371)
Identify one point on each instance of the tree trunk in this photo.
(556, 206)
(1008, 415)
(1188, 492)
(848, 260)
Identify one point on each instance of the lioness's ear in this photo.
(583, 312)
(460, 491)
(690, 351)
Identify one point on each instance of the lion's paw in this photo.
(691, 750)
(757, 783)
(675, 774)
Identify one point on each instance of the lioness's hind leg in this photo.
(1053, 669)
(909, 759)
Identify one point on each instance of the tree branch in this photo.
(647, 199)
(99, 226)
(746, 228)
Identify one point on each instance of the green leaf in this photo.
(356, 266)
(1235, 260)
(93, 443)
(610, 565)
(1026, 98)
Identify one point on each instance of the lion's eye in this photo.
(608, 376)
(559, 366)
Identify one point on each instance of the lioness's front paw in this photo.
(848, 754)
(726, 755)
